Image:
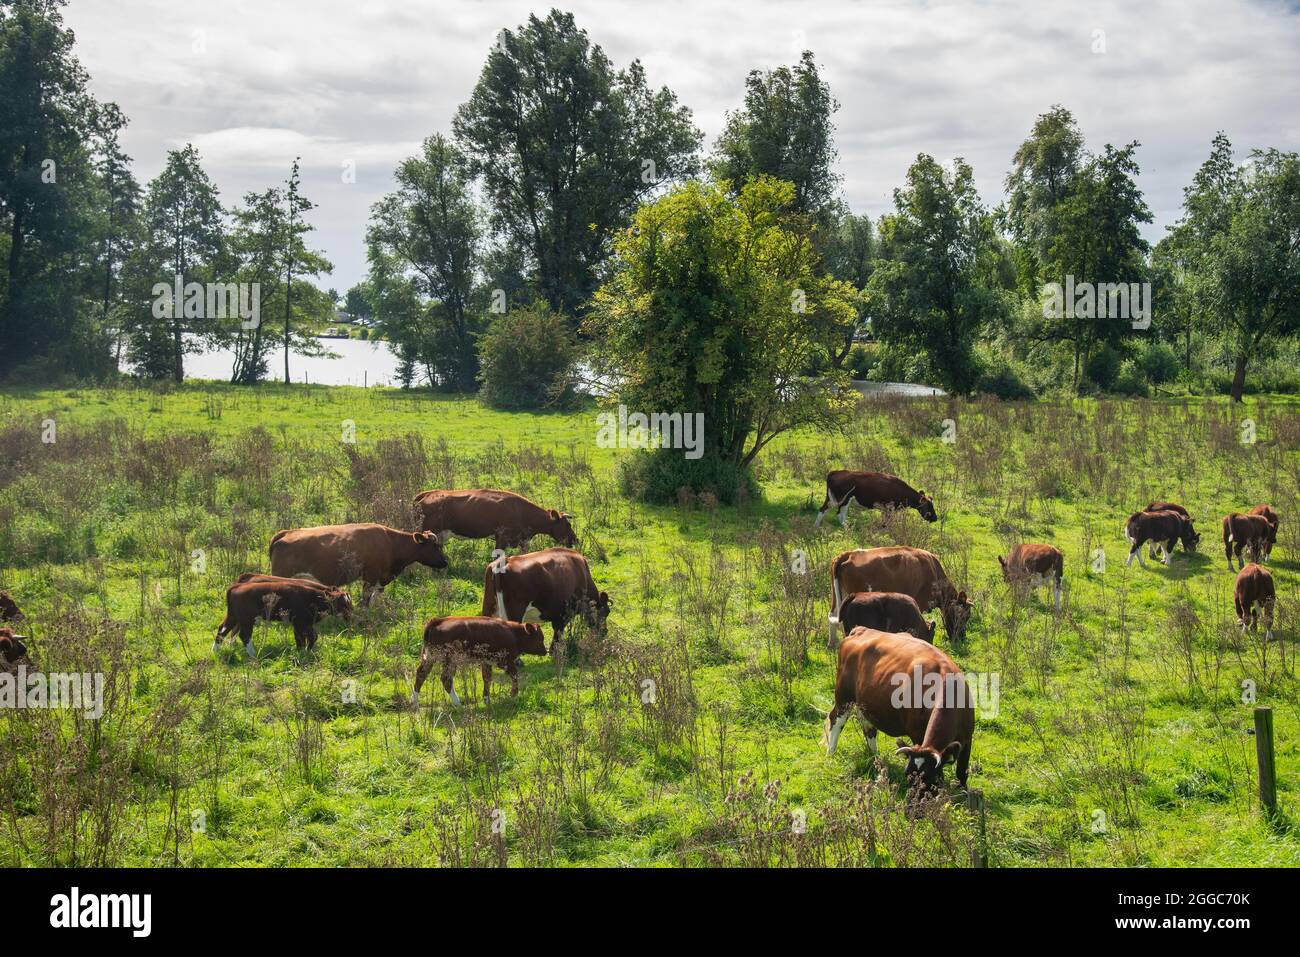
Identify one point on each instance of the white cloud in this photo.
(254, 84)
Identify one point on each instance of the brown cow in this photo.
(1038, 565)
(1163, 529)
(872, 490)
(885, 611)
(9, 610)
(13, 650)
(1165, 507)
(338, 554)
(491, 513)
(1251, 533)
(904, 686)
(299, 602)
(1252, 594)
(903, 569)
(551, 585)
(1270, 516)
(489, 641)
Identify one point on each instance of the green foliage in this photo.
(526, 358)
(1158, 363)
(667, 477)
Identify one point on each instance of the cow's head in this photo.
(925, 765)
(1006, 572)
(925, 505)
(600, 612)
(13, 648)
(340, 603)
(956, 614)
(933, 625)
(9, 609)
(532, 642)
(1190, 536)
(428, 550)
(561, 530)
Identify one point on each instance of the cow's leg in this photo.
(486, 671)
(827, 504)
(421, 673)
(246, 636)
(868, 732)
(444, 536)
(557, 632)
(834, 725)
(448, 673)
(512, 670)
(1056, 593)
(1227, 551)
(1168, 549)
(844, 510)
(1136, 550)
(1268, 619)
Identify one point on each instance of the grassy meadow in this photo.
(690, 736)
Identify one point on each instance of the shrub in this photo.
(1103, 367)
(525, 357)
(1000, 378)
(659, 475)
(1130, 380)
(1158, 363)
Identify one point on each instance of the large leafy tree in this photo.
(1239, 245)
(784, 130)
(715, 306)
(940, 286)
(426, 237)
(567, 146)
(1043, 171)
(849, 251)
(119, 219)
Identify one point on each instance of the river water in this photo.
(357, 362)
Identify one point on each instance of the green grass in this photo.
(314, 759)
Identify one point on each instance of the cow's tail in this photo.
(836, 597)
(494, 604)
(1128, 530)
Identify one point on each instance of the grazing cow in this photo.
(1270, 516)
(338, 554)
(903, 569)
(1037, 564)
(9, 610)
(1252, 594)
(491, 513)
(872, 490)
(13, 650)
(551, 585)
(903, 686)
(1165, 507)
(489, 641)
(299, 602)
(1250, 533)
(1163, 529)
(885, 611)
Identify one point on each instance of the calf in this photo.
(490, 641)
(872, 490)
(1252, 594)
(301, 603)
(1270, 516)
(1164, 507)
(13, 651)
(903, 686)
(1036, 564)
(491, 513)
(1163, 529)
(885, 611)
(1250, 533)
(903, 569)
(551, 585)
(9, 610)
(338, 554)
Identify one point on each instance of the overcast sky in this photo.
(254, 84)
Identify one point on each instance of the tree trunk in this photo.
(288, 298)
(1239, 377)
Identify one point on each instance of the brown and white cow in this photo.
(885, 611)
(489, 641)
(1036, 565)
(508, 518)
(872, 490)
(1252, 594)
(903, 686)
(299, 602)
(553, 585)
(1162, 529)
(9, 610)
(13, 650)
(338, 554)
(1253, 534)
(903, 569)
(1165, 507)
(1270, 516)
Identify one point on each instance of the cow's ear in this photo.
(950, 753)
(605, 599)
(554, 513)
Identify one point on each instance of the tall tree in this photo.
(785, 130)
(120, 214)
(297, 260)
(848, 253)
(941, 286)
(430, 230)
(1042, 174)
(567, 146)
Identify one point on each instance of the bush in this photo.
(1130, 380)
(1158, 363)
(525, 357)
(659, 475)
(1001, 379)
(1103, 367)
(860, 361)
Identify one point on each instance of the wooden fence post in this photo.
(979, 855)
(1264, 758)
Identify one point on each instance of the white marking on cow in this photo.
(919, 762)
(250, 650)
(1056, 594)
(834, 731)
(216, 645)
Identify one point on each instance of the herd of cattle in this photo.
(879, 597)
